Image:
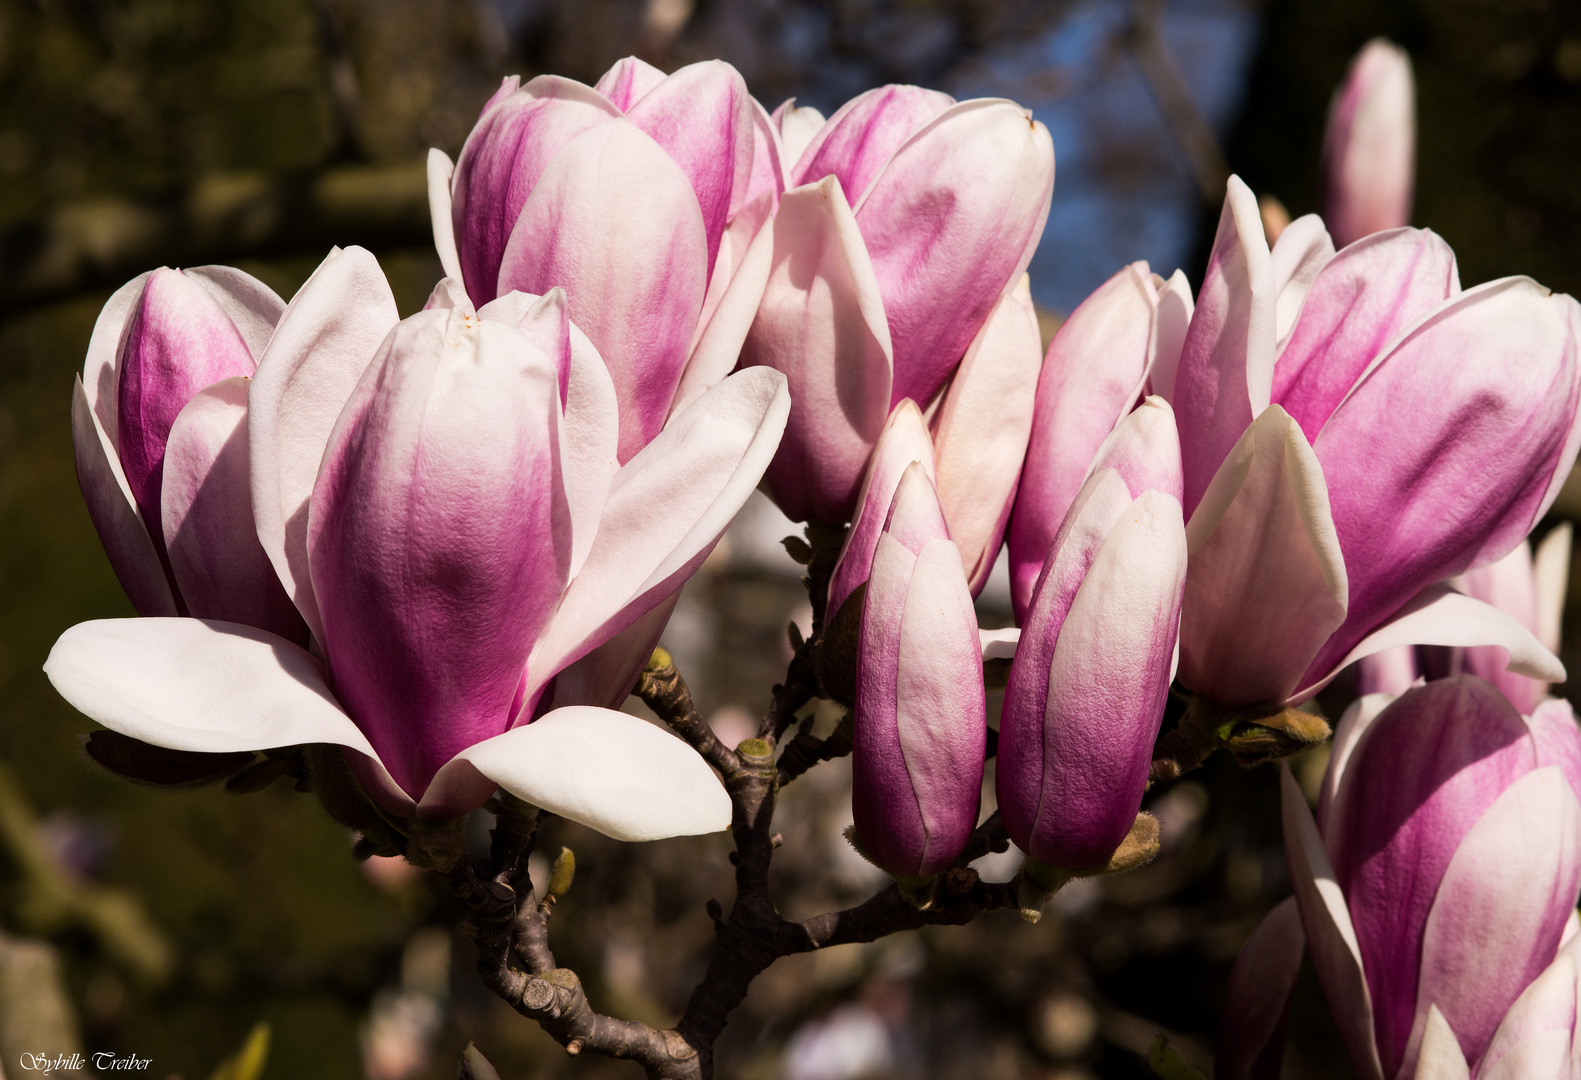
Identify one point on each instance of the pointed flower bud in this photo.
(1369, 147)
(921, 715)
(1092, 671)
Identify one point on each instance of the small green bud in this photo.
(562, 874)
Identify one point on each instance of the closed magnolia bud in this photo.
(1092, 670)
(1369, 147)
(921, 716)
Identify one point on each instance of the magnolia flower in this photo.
(1096, 657)
(972, 451)
(1369, 146)
(921, 726)
(908, 219)
(1405, 431)
(464, 536)
(641, 198)
(159, 425)
(1436, 891)
(1120, 341)
(1529, 590)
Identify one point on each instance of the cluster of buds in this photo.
(448, 544)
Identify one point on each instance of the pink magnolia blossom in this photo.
(1119, 342)
(1354, 429)
(1096, 656)
(1436, 892)
(159, 423)
(921, 725)
(972, 451)
(449, 517)
(640, 197)
(909, 217)
(1369, 146)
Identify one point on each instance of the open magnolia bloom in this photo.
(909, 220)
(641, 198)
(1355, 428)
(1436, 892)
(464, 534)
(1121, 342)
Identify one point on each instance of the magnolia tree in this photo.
(417, 564)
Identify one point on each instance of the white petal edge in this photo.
(1000, 644)
(253, 307)
(115, 515)
(1440, 616)
(1330, 935)
(441, 170)
(201, 685)
(612, 772)
(101, 379)
(1353, 724)
(1441, 1058)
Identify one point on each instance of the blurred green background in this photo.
(135, 133)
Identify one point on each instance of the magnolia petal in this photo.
(115, 516)
(1360, 301)
(1170, 322)
(1303, 248)
(667, 507)
(940, 708)
(1353, 724)
(101, 376)
(719, 342)
(1329, 932)
(770, 166)
(864, 133)
(1441, 1057)
(206, 504)
(328, 334)
(1416, 785)
(1000, 644)
(822, 324)
(1553, 726)
(1440, 616)
(1501, 366)
(981, 430)
(915, 517)
(798, 126)
(702, 116)
(950, 223)
(177, 341)
(1227, 361)
(590, 424)
(195, 684)
(628, 81)
(519, 134)
(252, 306)
(1511, 586)
(1267, 584)
(1094, 372)
(429, 617)
(1108, 682)
(903, 441)
(440, 172)
(1389, 672)
(1257, 1004)
(607, 210)
(1496, 921)
(1551, 568)
(1533, 1039)
(614, 773)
